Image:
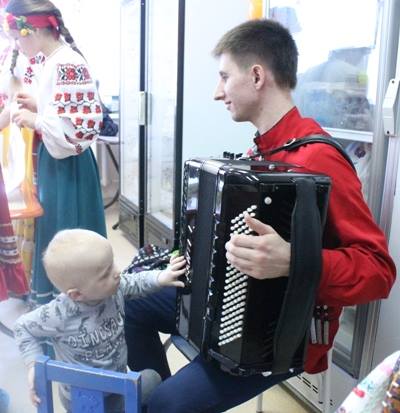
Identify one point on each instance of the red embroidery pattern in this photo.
(78, 147)
(70, 74)
(38, 59)
(3, 100)
(29, 75)
(88, 124)
(8, 246)
(29, 72)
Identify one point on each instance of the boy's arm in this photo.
(31, 384)
(29, 331)
(31, 328)
(139, 284)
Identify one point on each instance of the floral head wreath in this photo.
(27, 24)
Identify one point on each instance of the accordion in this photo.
(249, 326)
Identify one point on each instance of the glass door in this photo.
(339, 44)
(162, 67)
(129, 104)
(131, 210)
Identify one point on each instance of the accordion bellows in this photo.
(249, 326)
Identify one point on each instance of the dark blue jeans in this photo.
(200, 386)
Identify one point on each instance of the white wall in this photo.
(208, 129)
(94, 25)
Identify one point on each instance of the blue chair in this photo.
(88, 386)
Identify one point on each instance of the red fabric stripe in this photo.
(37, 21)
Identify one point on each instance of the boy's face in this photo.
(103, 282)
(236, 89)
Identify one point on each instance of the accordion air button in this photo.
(267, 200)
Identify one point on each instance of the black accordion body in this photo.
(249, 326)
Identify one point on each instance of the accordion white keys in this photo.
(249, 326)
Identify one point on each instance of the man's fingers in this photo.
(240, 264)
(244, 241)
(257, 226)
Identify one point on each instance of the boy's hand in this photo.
(31, 383)
(176, 268)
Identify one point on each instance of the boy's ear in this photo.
(74, 294)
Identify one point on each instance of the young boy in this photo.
(85, 322)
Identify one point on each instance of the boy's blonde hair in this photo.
(73, 255)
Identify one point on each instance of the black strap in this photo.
(295, 143)
(305, 270)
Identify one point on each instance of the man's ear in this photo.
(258, 75)
(74, 294)
(262, 76)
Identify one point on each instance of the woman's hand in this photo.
(5, 117)
(26, 101)
(24, 118)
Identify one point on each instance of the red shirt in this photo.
(356, 267)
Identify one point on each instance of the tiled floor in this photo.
(13, 372)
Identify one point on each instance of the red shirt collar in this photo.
(290, 126)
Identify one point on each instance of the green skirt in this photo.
(70, 194)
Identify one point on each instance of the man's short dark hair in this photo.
(266, 40)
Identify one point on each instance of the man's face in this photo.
(236, 89)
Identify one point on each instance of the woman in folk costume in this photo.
(18, 151)
(12, 276)
(67, 114)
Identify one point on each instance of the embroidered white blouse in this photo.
(69, 110)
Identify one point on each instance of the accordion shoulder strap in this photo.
(305, 270)
(295, 143)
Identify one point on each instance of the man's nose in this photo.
(219, 92)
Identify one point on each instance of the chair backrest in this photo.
(88, 386)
